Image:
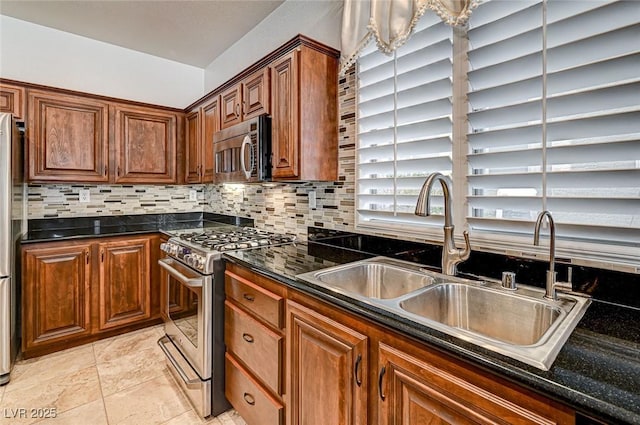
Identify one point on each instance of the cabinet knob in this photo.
(249, 399)
(248, 297)
(248, 337)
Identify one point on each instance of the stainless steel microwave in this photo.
(242, 152)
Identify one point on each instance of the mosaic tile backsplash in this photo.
(278, 207)
(63, 200)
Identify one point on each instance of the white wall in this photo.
(37, 54)
(318, 19)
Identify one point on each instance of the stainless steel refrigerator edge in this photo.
(12, 227)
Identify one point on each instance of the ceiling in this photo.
(186, 31)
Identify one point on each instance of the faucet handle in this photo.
(465, 252)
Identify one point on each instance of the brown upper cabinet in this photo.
(77, 138)
(145, 145)
(201, 124)
(68, 138)
(230, 104)
(13, 100)
(193, 147)
(297, 84)
(246, 99)
(210, 124)
(304, 112)
(255, 94)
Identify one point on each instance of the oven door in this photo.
(188, 324)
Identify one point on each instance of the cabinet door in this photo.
(124, 289)
(255, 94)
(68, 138)
(12, 100)
(326, 364)
(193, 151)
(56, 301)
(284, 114)
(210, 124)
(145, 145)
(231, 106)
(413, 391)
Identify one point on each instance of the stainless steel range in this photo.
(193, 306)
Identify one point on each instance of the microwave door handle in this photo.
(246, 142)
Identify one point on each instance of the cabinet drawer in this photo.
(255, 345)
(254, 404)
(264, 304)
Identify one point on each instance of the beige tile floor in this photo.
(121, 380)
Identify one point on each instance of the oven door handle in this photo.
(161, 342)
(246, 142)
(193, 282)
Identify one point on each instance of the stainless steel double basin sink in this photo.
(520, 324)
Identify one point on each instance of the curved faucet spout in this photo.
(451, 255)
(550, 291)
(424, 200)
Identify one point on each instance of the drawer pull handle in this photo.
(249, 297)
(382, 372)
(247, 337)
(249, 399)
(356, 368)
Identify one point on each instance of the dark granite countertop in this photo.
(60, 229)
(597, 372)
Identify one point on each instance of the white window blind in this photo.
(404, 124)
(554, 118)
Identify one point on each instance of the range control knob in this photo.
(199, 264)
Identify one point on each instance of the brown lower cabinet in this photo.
(81, 291)
(254, 340)
(125, 286)
(327, 363)
(343, 369)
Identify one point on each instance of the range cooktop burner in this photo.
(225, 240)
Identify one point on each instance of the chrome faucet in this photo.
(551, 284)
(451, 255)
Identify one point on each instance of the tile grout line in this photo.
(104, 405)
